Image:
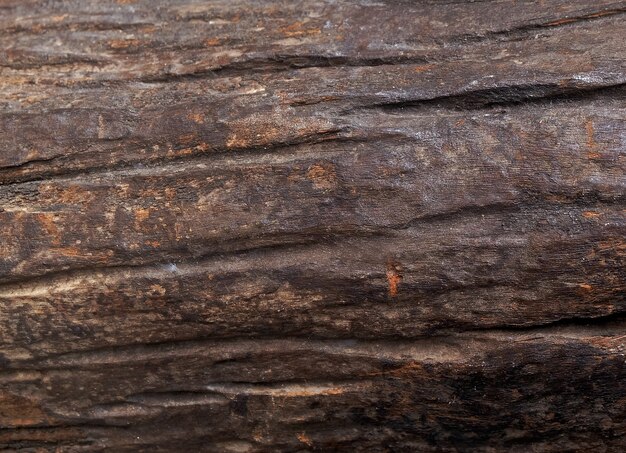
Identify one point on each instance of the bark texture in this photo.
(351, 225)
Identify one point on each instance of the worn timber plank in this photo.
(340, 225)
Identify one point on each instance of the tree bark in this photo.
(352, 225)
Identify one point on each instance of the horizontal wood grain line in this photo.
(337, 133)
(466, 347)
(510, 97)
(180, 155)
(411, 282)
(567, 20)
(330, 379)
(599, 219)
(240, 56)
(282, 63)
(330, 375)
(148, 22)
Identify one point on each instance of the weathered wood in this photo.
(312, 225)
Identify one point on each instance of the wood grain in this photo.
(353, 225)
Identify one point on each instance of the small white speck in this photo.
(171, 267)
(589, 78)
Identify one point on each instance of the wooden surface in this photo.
(258, 226)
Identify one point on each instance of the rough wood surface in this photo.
(254, 226)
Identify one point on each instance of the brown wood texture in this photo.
(351, 225)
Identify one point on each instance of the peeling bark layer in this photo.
(249, 226)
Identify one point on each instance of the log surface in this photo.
(351, 225)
